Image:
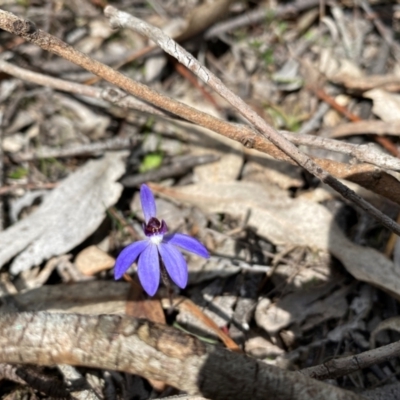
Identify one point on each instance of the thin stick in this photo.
(115, 143)
(363, 153)
(29, 32)
(122, 19)
(111, 95)
(384, 142)
(178, 167)
(381, 28)
(345, 365)
(261, 14)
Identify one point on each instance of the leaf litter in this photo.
(275, 286)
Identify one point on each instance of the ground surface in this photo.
(297, 275)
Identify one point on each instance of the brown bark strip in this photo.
(155, 352)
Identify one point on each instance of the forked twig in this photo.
(122, 19)
(29, 32)
(363, 153)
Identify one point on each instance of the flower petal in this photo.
(187, 243)
(148, 203)
(128, 256)
(149, 269)
(174, 263)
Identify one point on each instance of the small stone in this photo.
(14, 143)
(261, 348)
(92, 260)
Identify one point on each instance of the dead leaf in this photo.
(386, 105)
(390, 323)
(202, 17)
(140, 306)
(67, 216)
(262, 348)
(185, 305)
(283, 220)
(304, 307)
(261, 167)
(390, 82)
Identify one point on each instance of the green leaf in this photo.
(18, 173)
(151, 161)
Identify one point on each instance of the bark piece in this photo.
(67, 216)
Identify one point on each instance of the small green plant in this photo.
(265, 53)
(51, 166)
(282, 28)
(151, 161)
(291, 122)
(18, 173)
(269, 16)
(24, 3)
(268, 56)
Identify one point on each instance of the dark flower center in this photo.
(155, 227)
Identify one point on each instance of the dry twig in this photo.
(122, 19)
(116, 143)
(384, 142)
(345, 365)
(111, 95)
(260, 15)
(363, 174)
(178, 167)
(363, 153)
(5, 190)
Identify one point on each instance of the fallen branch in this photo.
(153, 351)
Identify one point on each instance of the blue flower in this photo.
(157, 247)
